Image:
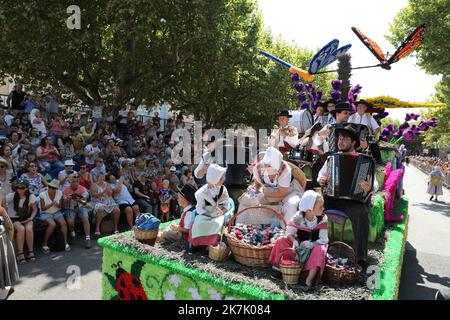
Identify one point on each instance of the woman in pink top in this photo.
(57, 129)
(48, 157)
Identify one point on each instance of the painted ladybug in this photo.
(128, 285)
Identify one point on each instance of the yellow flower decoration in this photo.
(389, 102)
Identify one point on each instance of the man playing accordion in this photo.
(358, 212)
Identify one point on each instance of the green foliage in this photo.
(201, 56)
(433, 56)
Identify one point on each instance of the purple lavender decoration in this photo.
(319, 95)
(309, 87)
(304, 105)
(336, 95)
(295, 77)
(299, 86)
(336, 84)
(301, 96)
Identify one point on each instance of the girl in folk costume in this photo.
(281, 183)
(213, 204)
(435, 183)
(307, 229)
(186, 199)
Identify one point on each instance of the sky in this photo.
(313, 24)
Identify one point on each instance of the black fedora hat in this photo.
(364, 102)
(284, 113)
(342, 106)
(349, 130)
(188, 191)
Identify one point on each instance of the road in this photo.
(426, 265)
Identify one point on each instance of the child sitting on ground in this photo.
(307, 229)
(166, 195)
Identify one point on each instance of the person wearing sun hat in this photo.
(284, 137)
(213, 202)
(187, 201)
(62, 175)
(51, 211)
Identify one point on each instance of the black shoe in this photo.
(10, 292)
(363, 265)
(193, 249)
(276, 274)
(431, 198)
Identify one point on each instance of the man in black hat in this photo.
(186, 199)
(284, 137)
(348, 141)
(341, 113)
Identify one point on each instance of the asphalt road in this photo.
(426, 265)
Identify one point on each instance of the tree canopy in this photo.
(201, 56)
(433, 55)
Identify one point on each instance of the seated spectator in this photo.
(51, 203)
(64, 174)
(126, 172)
(140, 192)
(6, 175)
(173, 179)
(85, 176)
(123, 198)
(58, 127)
(67, 149)
(99, 168)
(187, 178)
(104, 204)
(36, 182)
(153, 194)
(49, 157)
(6, 154)
(91, 152)
(38, 122)
(88, 131)
(35, 139)
(74, 202)
(22, 209)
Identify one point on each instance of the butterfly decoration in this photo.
(411, 43)
(327, 55)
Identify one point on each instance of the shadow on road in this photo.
(415, 280)
(55, 266)
(434, 207)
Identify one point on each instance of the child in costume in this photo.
(186, 199)
(307, 229)
(213, 202)
(166, 195)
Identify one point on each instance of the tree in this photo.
(433, 55)
(126, 52)
(345, 73)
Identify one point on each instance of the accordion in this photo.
(345, 172)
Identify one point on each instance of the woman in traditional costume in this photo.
(435, 183)
(213, 208)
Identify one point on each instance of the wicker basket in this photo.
(338, 276)
(147, 237)
(245, 253)
(218, 253)
(290, 272)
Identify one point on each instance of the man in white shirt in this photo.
(361, 117)
(285, 137)
(90, 152)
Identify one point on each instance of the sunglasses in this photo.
(21, 188)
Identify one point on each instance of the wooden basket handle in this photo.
(230, 223)
(280, 257)
(346, 246)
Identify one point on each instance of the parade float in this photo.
(168, 271)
